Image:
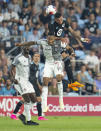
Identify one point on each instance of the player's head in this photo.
(51, 39)
(58, 18)
(36, 57)
(25, 50)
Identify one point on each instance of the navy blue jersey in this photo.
(57, 29)
(33, 71)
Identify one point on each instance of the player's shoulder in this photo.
(18, 56)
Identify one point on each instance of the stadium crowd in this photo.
(26, 20)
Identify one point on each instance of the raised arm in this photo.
(77, 36)
(26, 43)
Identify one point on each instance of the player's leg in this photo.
(60, 90)
(39, 108)
(30, 97)
(68, 69)
(19, 104)
(47, 74)
(16, 110)
(45, 94)
(38, 105)
(58, 70)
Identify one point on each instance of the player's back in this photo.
(22, 64)
(57, 29)
(47, 50)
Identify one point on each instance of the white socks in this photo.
(27, 111)
(44, 98)
(60, 90)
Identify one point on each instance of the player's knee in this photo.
(59, 78)
(33, 97)
(26, 98)
(45, 81)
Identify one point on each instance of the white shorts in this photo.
(53, 69)
(24, 87)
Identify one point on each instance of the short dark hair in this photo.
(58, 15)
(36, 52)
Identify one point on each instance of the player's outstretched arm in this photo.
(26, 43)
(76, 35)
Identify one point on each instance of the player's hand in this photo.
(87, 40)
(18, 44)
(64, 55)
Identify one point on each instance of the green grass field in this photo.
(66, 123)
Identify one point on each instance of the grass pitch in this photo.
(58, 123)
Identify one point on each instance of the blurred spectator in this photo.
(98, 7)
(74, 4)
(4, 32)
(34, 16)
(26, 32)
(24, 15)
(5, 72)
(1, 90)
(9, 89)
(92, 61)
(14, 30)
(90, 9)
(75, 43)
(82, 75)
(11, 17)
(2, 81)
(1, 15)
(71, 15)
(44, 18)
(86, 78)
(98, 83)
(35, 36)
(90, 85)
(92, 25)
(3, 58)
(15, 6)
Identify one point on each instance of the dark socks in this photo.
(68, 69)
(18, 106)
(39, 109)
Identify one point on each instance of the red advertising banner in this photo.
(74, 106)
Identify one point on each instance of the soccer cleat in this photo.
(61, 104)
(32, 123)
(13, 117)
(77, 84)
(42, 118)
(22, 118)
(72, 87)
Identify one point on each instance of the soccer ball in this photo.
(51, 10)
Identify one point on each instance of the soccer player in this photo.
(20, 76)
(57, 29)
(33, 78)
(53, 66)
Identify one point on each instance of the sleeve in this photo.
(51, 29)
(15, 62)
(39, 42)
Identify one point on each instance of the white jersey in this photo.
(47, 49)
(22, 66)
